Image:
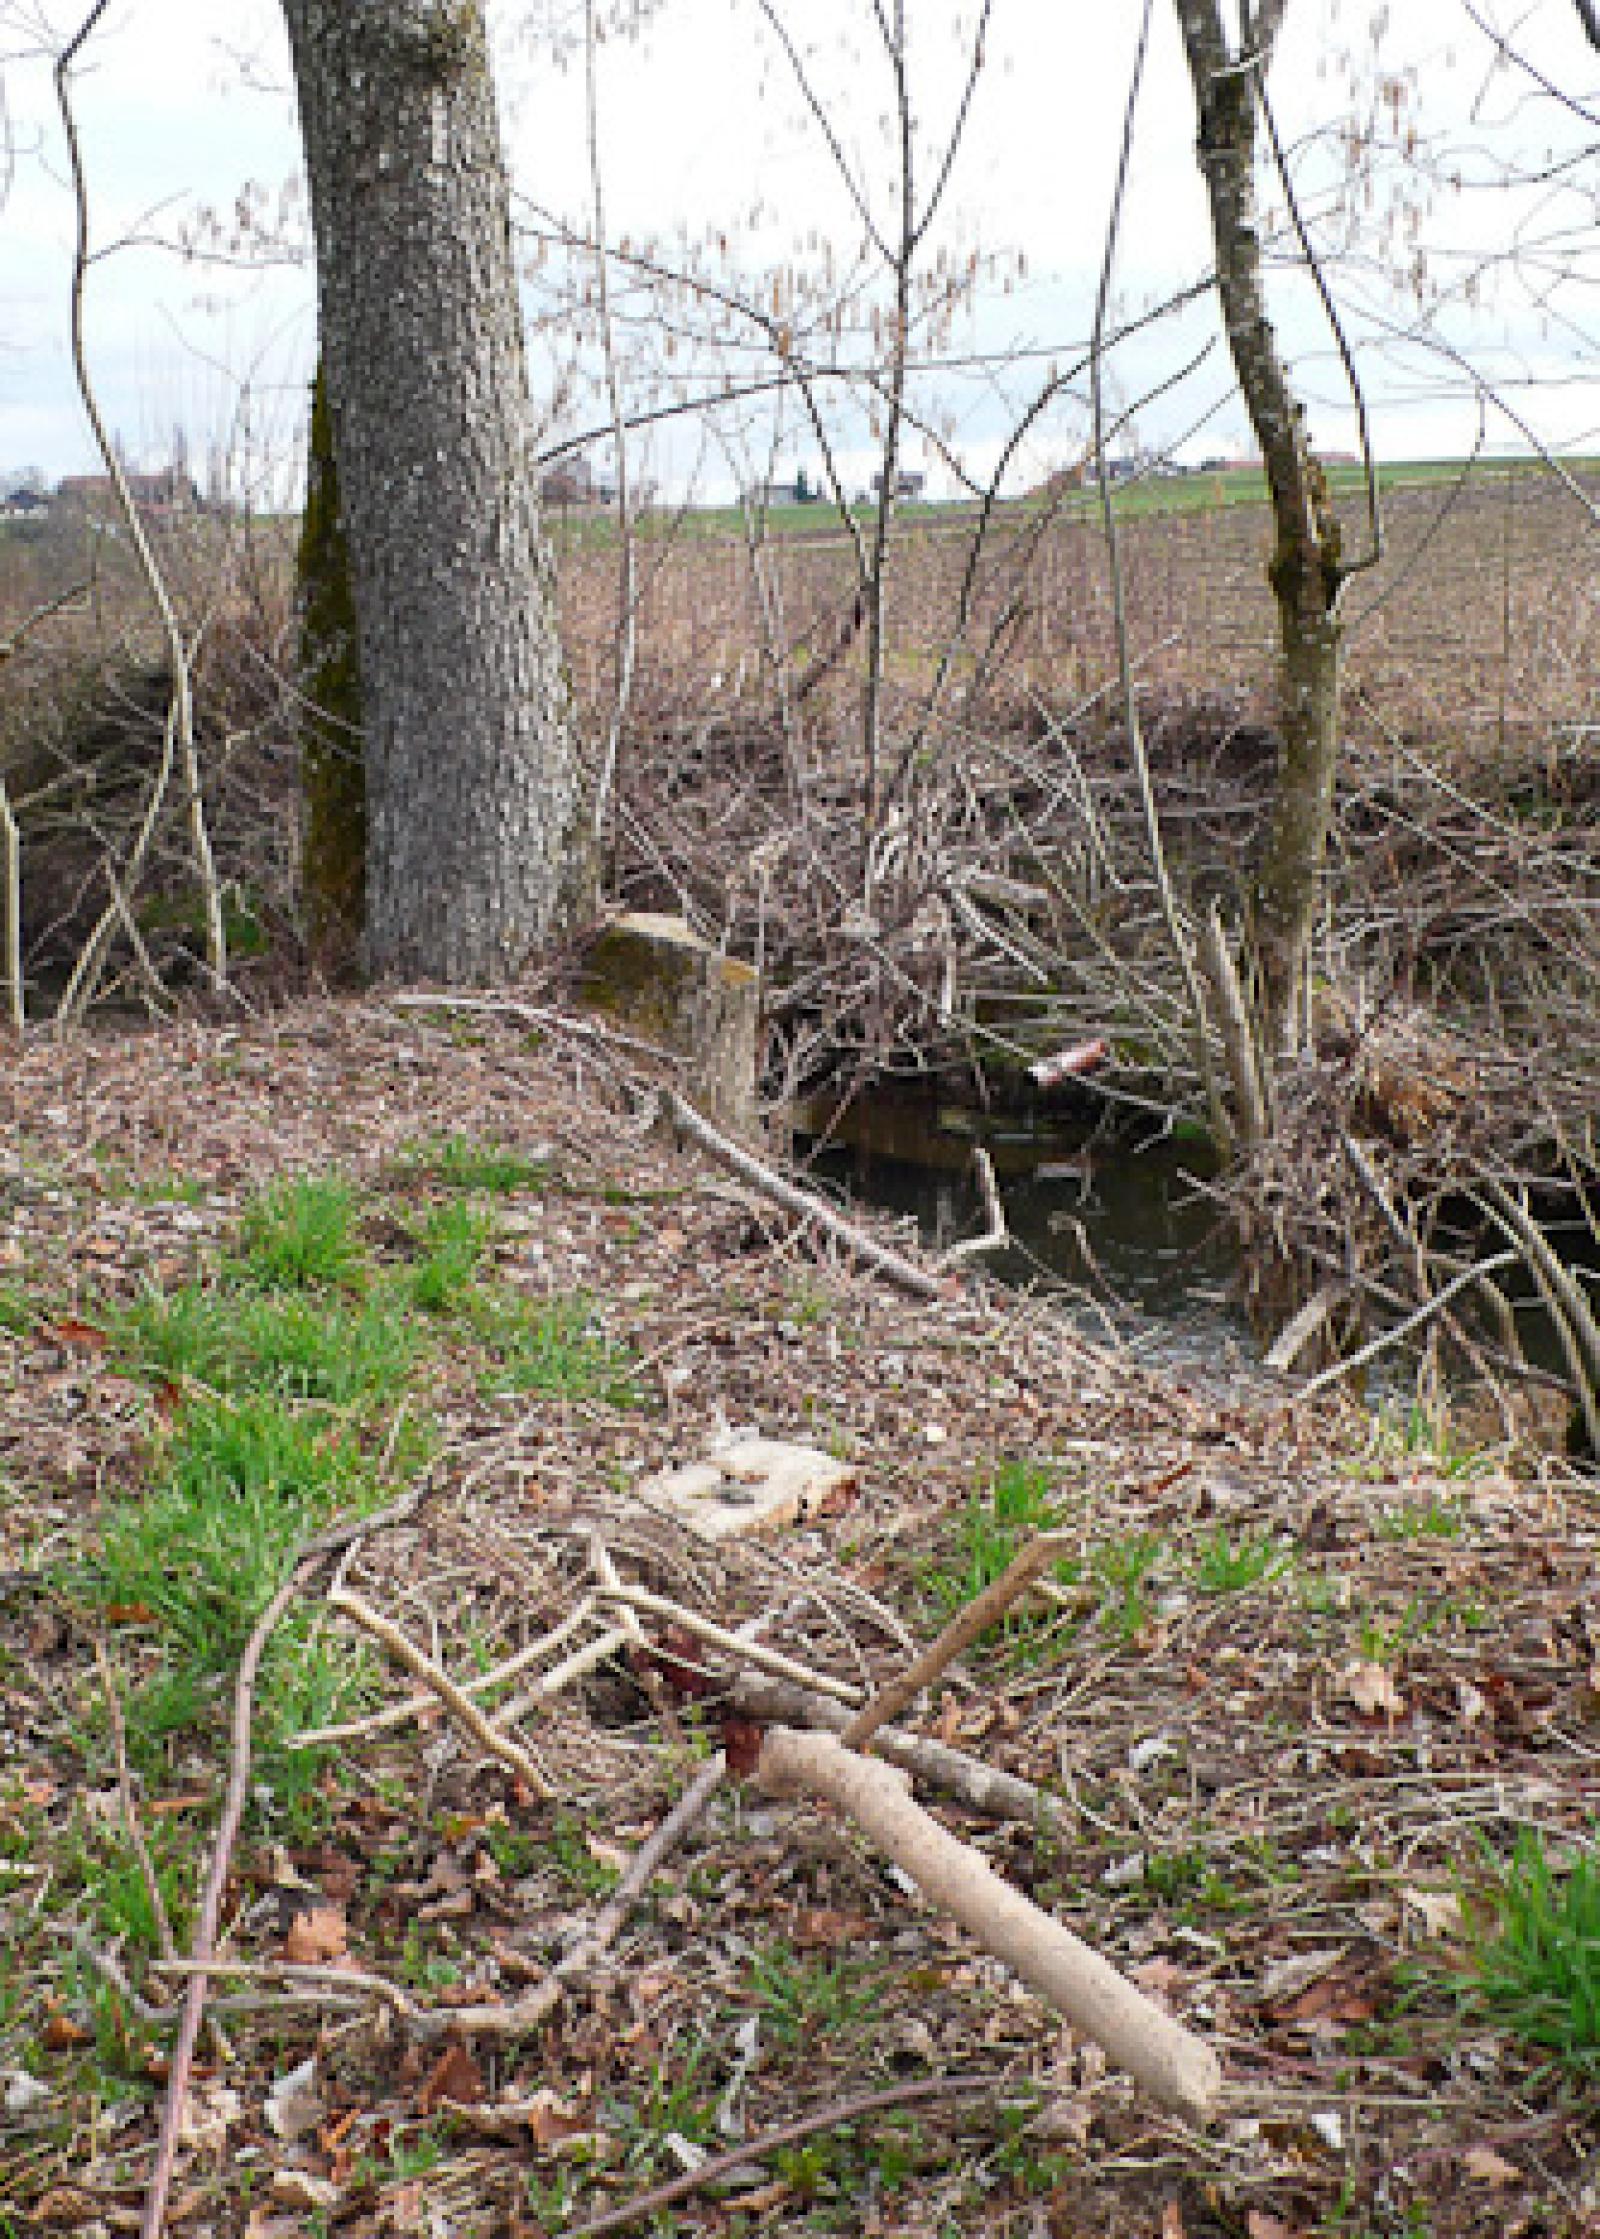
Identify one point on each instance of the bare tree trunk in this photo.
(1305, 571)
(477, 846)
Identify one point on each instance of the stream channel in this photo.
(1119, 1227)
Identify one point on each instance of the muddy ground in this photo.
(1301, 1689)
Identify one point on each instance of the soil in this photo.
(1308, 1680)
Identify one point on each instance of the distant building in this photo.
(170, 492)
(797, 492)
(24, 505)
(573, 481)
(909, 482)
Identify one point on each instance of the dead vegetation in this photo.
(1301, 1693)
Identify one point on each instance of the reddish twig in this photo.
(313, 1553)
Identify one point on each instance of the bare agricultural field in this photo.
(1479, 626)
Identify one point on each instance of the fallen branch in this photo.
(803, 1203)
(997, 1235)
(980, 1613)
(831, 2117)
(421, 1666)
(1165, 2059)
(968, 1780)
(313, 1553)
(399, 1714)
(1388, 1337)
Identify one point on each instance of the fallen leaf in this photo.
(741, 1742)
(82, 1336)
(1485, 2167)
(294, 2107)
(61, 2033)
(209, 2113)
(455, 2076)
(1373, 1691)
(315, 1936)
(1259, 2225)
(1287, 1978)
(297, 2188)
(1172, 2223)
(551, 2120)
(1439, 1910)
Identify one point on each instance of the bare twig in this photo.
(180, 726)
(1385, 1338)
(997, 1795)
(421, 1666)
(312, 1554)
(746, 1651)
(981, 1612)
(997, 1235)
(400, 1714)
(832, 2117)
(894, 1266)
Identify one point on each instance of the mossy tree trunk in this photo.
(1305, 571)
(332, 773)
(478, 844)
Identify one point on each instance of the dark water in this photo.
(1122, 1227)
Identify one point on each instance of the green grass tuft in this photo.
(207, 1548)
(1224, 1568)
(454, 1239)
(290, 1343)
(1536, 1953)
(459, 1163)
(301, 1235)
(554, 1346)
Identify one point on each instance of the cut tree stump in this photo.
(654, 973)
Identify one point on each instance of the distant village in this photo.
(573, 482)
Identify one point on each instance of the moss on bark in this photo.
(332, 772)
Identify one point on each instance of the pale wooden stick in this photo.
(578, 1665)
(996, 1236)
(962, 1630)
(1163, 2057)
(421, 1666)
(807, 1206)
(732, 1644)
(381, 1721)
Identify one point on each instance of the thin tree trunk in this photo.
(477, 842)
(1305, 571)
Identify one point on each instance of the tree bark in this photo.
(477, 847)
(333, 781)
(1305, 571)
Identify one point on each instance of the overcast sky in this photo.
(183, 106)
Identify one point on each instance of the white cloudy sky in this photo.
(183, 104)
